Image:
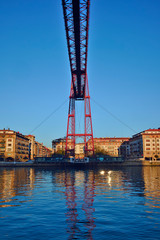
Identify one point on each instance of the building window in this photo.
(9, 149)
(147, 140)
(10, 140)
(147, 144)
(148, 149)
(9, 145)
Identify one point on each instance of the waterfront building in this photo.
(146, 145)
(109, 146)
(31, 146)
(58, 145)
(79, 150)
(41, 151)
(124, 149)
(14, 146)
(37, 149)
(46, 152)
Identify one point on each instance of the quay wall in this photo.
(62, 164)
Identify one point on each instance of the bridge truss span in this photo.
(76, 18)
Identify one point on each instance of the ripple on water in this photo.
(80, 204)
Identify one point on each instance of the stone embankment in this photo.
(132, 162)
(137, 162)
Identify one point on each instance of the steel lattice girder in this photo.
(76, 17)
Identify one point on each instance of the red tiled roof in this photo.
(112, 138)
(153, 130)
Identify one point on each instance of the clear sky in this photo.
(123, 67)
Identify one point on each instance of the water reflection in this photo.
(71, 215)
(89, 187)
(84, 198)
(79, 194)
(152, 186)
(15, 182)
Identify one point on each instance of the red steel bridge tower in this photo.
(76, 18)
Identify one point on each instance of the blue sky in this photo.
(123, 67)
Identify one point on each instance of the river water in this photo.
(105, 203)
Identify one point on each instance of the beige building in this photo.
(37, 149)
(41, 151)
(31, 146)
(109, 146)
(80, 150)
(14, 146)
(146, 145)
(59, 145)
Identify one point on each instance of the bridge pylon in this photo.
(76, 19)
(72, 136)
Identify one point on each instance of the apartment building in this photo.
(41, 151)
(124, 149)
(145, 144)
(31, 146)
(14, 146)
(58, 145)
(109, 146)
(79, 150)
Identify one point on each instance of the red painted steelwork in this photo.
(70, 138)
(76, 18)
(88, 121)
(88, 131)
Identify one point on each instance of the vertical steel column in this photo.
(76, 18)
(70, 137)
(89, 143)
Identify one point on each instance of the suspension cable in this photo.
(114, 116)
(44, 120)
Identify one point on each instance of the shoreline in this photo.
(128, 163)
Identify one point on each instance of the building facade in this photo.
(146, 145)
(31, 146)
(37, 149)
(14, 146)
(58, 145)
(41, 151)
(109, 146)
